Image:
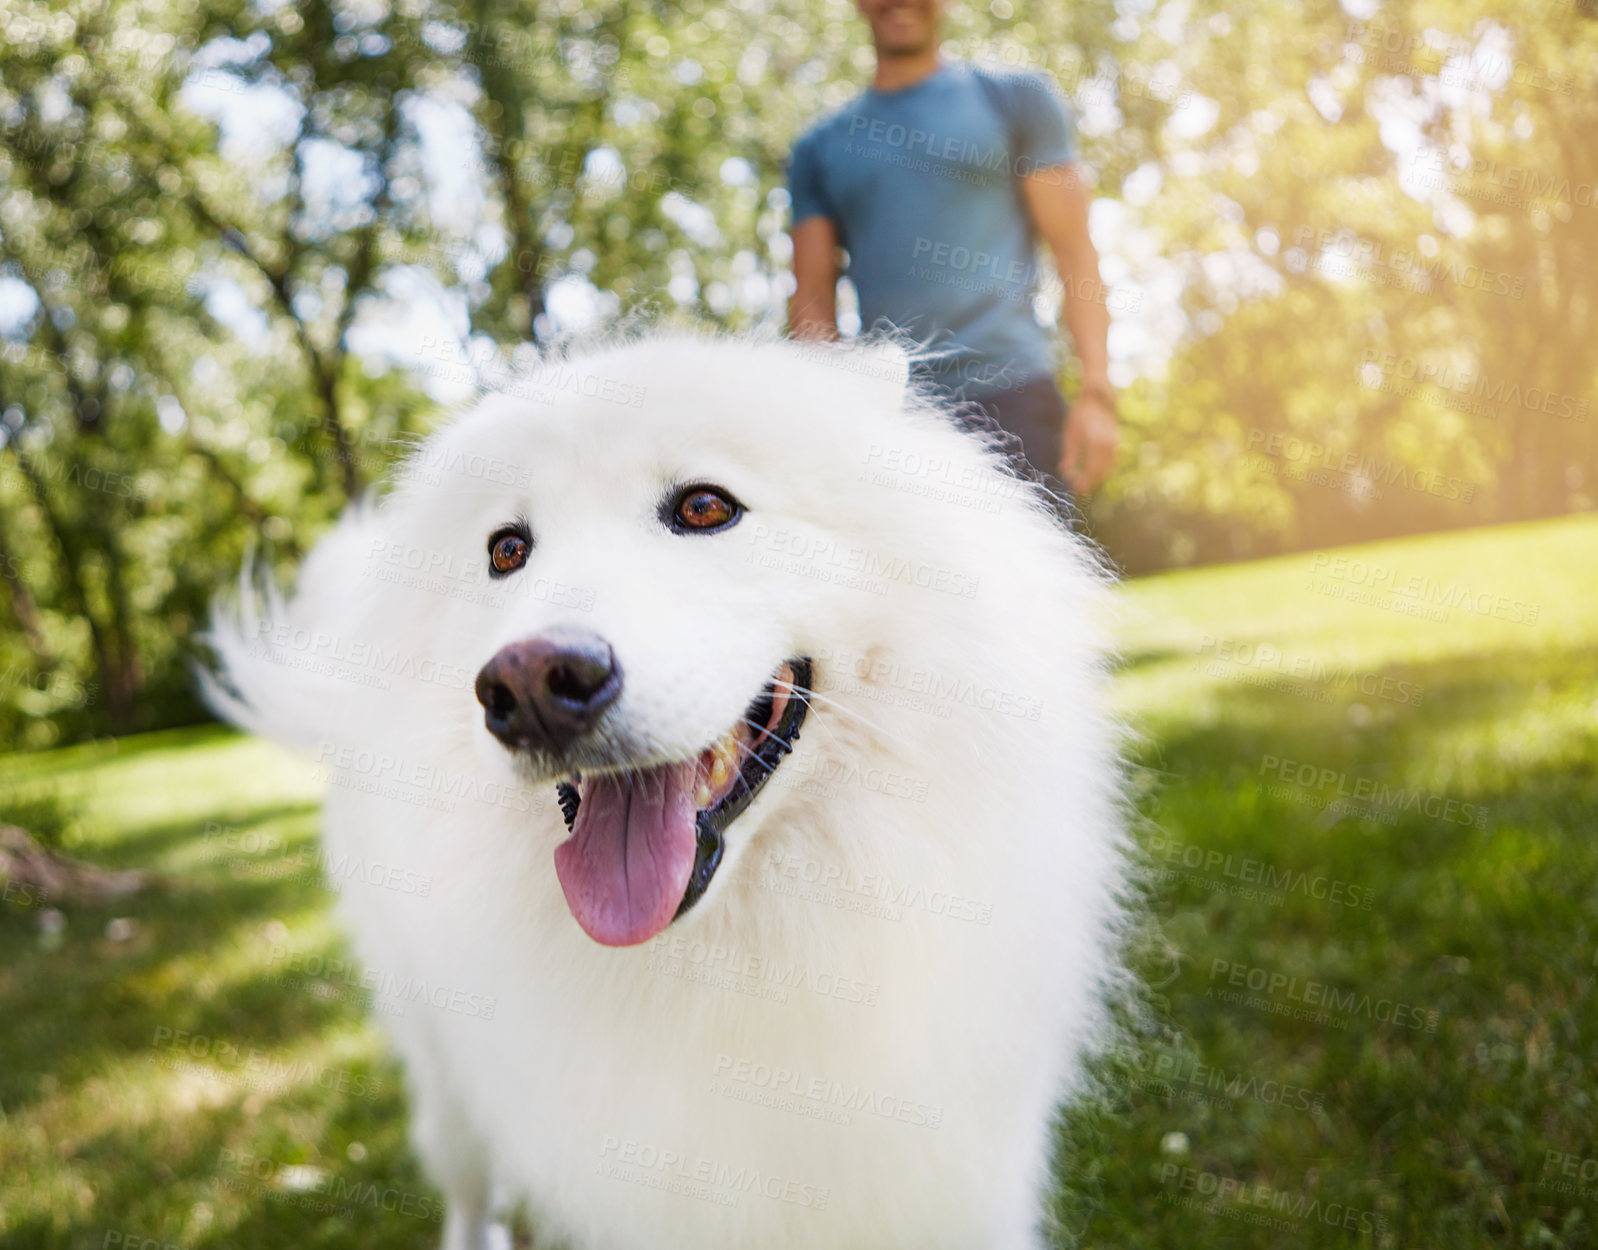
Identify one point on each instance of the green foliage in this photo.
(1388, 242)
(214, 216)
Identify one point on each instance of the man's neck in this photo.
(896, 72)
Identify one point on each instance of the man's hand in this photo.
(1091, 435)
(1057, 199)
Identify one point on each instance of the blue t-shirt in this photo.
(923, 187)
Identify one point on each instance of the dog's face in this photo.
(642, 630)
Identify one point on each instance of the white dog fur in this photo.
(860, 1036)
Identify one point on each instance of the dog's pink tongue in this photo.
(625, 867)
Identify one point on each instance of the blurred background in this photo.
(246, 249)
(250, 251)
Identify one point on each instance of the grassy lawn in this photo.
(1369, 1013)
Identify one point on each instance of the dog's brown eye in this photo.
(508, 551)
(702, 508)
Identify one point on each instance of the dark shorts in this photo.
(1034, 415)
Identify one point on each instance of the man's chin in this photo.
(895, 43)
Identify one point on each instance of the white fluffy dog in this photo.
(724, 801)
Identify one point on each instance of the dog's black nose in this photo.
(544, 692)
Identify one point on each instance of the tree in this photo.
(215, 218)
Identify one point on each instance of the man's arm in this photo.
(813, 310)
(1057, 199)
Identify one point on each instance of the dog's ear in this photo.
(886, 362)
(877, 365)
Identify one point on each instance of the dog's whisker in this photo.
(843, 708)
(749, 751)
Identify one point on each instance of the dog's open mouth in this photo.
(645, 845)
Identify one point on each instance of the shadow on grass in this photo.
(145, 848)
(1129, 661)
(68, 761)
(77, 1008)
(359, 1187)
(1253, 719)
(1421, 985)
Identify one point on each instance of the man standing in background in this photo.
(939, 180)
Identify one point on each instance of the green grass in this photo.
(1471, 902)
